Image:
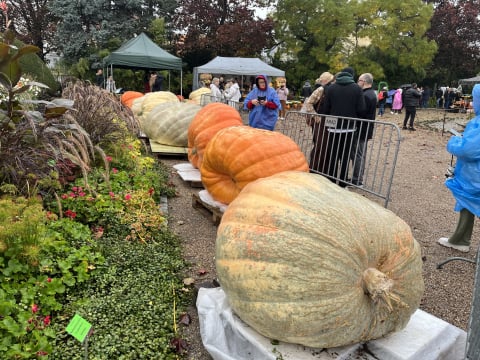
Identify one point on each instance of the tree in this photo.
(33, 23)
(456, 29)
(86, 26)
(222, 27)
(372, 36)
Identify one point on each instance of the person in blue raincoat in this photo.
(263, 104)
(465, 183)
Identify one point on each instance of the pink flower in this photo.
(49, 279)
(41, 353)
(3, 6)
(112, 194)
(150, 191)
(108, 158)
(34, 308)
(72, 195)
(71, 214)
(64, 196)
(115, 170)
(46, 320)
(74, 189)
(81, 194)
(128, 197)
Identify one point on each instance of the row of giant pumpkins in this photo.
(300, 259)
(228, 154)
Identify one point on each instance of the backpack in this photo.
(381, 95)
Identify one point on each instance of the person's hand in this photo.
(261, 102)
(255, 102)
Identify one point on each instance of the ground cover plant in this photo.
(81, 230)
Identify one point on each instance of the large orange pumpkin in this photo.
(128, 97)
(304, 261)
(208, 121)
(238, 155)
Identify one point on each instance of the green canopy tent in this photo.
(142, 53)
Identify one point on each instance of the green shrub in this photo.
(38, 266)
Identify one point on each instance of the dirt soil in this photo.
(418, 196)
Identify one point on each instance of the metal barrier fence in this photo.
(207, 99)
(334, 149)
(441, 119)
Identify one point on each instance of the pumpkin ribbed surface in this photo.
(167, 123)
(238, 155)
(196, 95)
(302, 260)
(128, 97)
(208, 121)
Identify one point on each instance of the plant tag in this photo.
(331, 121)
(79, 328)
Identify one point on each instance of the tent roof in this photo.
(239, 66)
(142, 53)
(470, 81)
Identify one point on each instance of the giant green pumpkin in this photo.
(167, 123)
(304, 261)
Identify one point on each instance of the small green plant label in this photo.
(79, 328)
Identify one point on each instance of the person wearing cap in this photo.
(306, 89)
(382, 99)
(315, 104)
(263, 104)
(343, 99)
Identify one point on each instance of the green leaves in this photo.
(370, 36)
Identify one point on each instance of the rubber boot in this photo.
(463, 232)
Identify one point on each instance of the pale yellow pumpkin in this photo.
(196, 95)
(168, 123)
(304, 261)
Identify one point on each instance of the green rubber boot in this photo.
(463, 232)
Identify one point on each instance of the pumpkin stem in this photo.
(379, 288)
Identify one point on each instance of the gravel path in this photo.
(418, 196)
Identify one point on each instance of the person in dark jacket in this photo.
(411, 100)
(382, 100)
(364, 129)
(344, 98)
(157, 84)
(307, 89)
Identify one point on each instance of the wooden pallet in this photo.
(189, 174)
(211, 209)
(161, 149)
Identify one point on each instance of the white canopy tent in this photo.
(470, 81)
(235, 66)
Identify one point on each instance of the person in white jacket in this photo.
(216, 94)
(232, 93)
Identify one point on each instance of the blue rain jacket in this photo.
(465, 184)
(261, 117)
